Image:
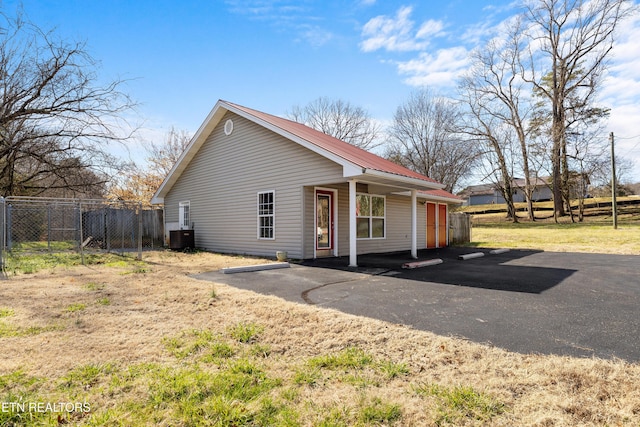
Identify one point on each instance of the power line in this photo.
(634, 147)
(627, 137)
(628, 150)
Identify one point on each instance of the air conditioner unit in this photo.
(182, 239)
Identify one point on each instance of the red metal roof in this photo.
(351, 153)
(441, 193)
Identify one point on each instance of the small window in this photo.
(370, 216)
(266, 215)
(184, 215)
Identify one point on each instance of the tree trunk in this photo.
(528, 188)
(507, 191)
(557, 134)
(566, 189)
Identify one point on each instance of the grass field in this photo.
(548, 236)
(122, 342)
(594, 234)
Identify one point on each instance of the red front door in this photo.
(431, 225)
(324, 220)
(436, 225)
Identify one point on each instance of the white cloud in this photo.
(316, 36)
(399, 33)
(622, 81)
(285, 15)
(396, 34)
(623, 123)
(621, 92)
(430, 28)
(441, 69)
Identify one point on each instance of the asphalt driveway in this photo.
(526, 301)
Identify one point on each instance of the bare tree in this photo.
(55, 120)
(490, 131)
(582, 146)
(425, 137)
(339, 119)
(139, 183)
(162, 157)
(498, 97)
(569, 41)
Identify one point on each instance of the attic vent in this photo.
(228, 127)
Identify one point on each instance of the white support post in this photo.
(414, 224)
(353, 229)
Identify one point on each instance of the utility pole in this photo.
(614, 201)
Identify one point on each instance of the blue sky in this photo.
(182, 56)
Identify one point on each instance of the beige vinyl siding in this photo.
(398, 223)
(223, 180)
(398, 227)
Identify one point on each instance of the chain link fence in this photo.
(41, 225)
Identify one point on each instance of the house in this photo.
(485, 194)
(253, 183)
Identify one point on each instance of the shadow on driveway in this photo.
(526, 301)
(492, 271)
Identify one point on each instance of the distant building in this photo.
(485, 194)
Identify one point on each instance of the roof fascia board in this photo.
(441, 199)
(351, 170)
(430, 197)
(410, 182)
(394, 188)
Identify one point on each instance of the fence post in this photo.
(81, 236)
(3, 224)
(121, 227)
(139, 230)
(48, 227)
(9, 244)
(107, 228)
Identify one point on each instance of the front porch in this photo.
(357, 217)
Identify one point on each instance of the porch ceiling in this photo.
(379, 186)
(387, 186)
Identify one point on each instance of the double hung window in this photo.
(266, 215)
(370, 216)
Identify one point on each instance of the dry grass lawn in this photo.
(585, 237)
(125, 315)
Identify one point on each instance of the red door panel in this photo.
(431, 225)
(442, 226)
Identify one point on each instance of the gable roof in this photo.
(356, 162)
(348, 152)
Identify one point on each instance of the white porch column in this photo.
(353, 229)
(414, 224)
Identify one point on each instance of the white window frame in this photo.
(372, 217)
(184, 225)
(262, 215)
